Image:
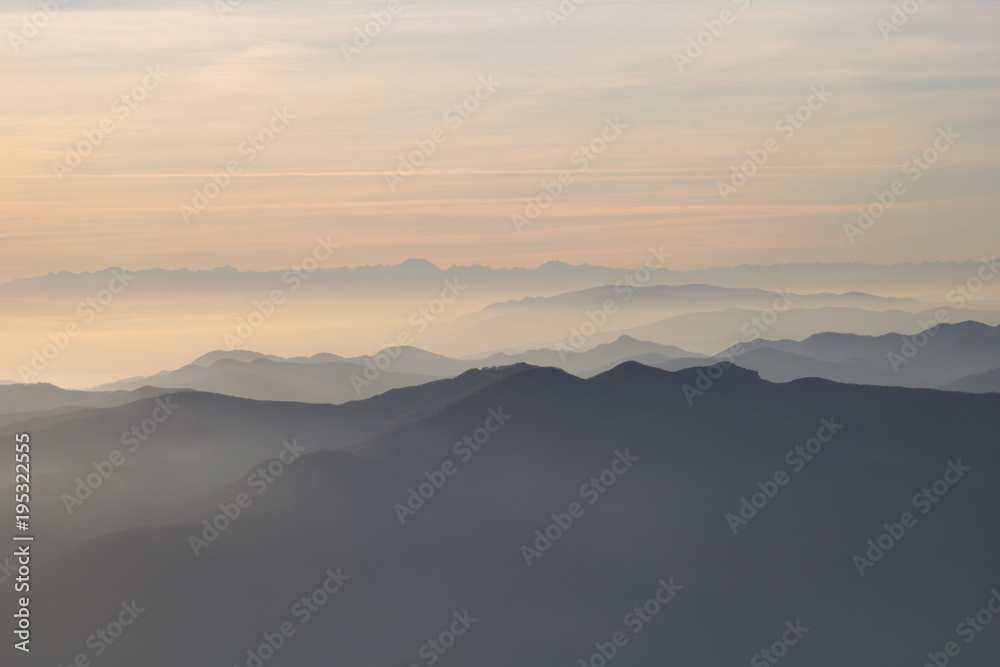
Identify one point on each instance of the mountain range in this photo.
(940, 357)
(118, 316)
(929, 277)
(583, 500)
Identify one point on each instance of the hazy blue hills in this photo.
(326, 378)
(988, 381)
(937, 357)
(38, 397)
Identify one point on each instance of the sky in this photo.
(115, 115)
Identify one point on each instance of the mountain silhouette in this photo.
(666, 474)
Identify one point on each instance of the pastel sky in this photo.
(324, 174)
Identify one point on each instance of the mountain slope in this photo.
(39, 397)
(266, 379)
(709, 332)
(934, 358)
(679, 467)
(327, 378)
(589, 362)
(978, 383)
(645, 312)
(184, 444)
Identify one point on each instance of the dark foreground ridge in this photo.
(551, 509)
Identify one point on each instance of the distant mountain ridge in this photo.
(328, 378)
(979, 383)
(462, 311)
(935, 358)
(944, 358)
(709, 332)
(21, 398)
(805, 276)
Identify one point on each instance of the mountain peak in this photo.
(631, 372)
(418, 264)
(555, 264)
